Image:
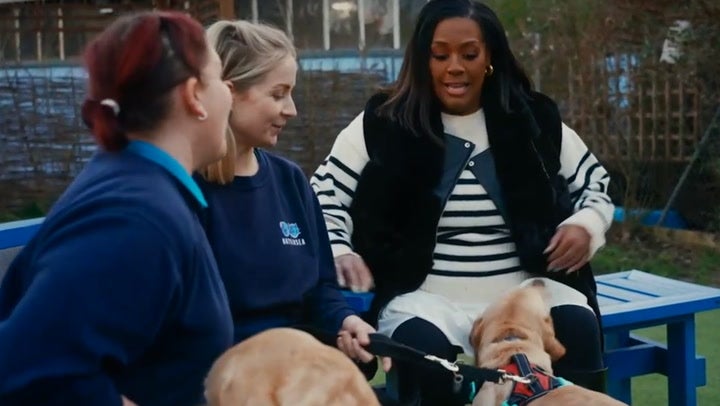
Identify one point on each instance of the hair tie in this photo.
(114, 106)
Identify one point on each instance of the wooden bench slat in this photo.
(612, 294)
(639, 298)
(639, 281)
(642, 358)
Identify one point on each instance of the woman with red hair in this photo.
(117, 299)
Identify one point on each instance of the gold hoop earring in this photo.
(489, 70)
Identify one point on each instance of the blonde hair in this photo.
(248, 51)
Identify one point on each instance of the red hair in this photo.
(132, 66)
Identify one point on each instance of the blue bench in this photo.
(628, 301)
(13, 236)
(17, 233)
(635, 299)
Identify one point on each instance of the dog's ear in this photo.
(550, 342)
(476, 333)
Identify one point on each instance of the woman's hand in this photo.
(353, 335)
(569, 248)
(352, 272)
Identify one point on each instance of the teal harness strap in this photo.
(473, 391)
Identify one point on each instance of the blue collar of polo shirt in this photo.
(162, 158)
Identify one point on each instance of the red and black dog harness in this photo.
(540, 381)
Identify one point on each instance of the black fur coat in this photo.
(395, 212)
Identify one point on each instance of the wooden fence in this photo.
(44, 144)
(650, 114)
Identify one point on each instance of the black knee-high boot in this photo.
(424, 385)
(576, 327)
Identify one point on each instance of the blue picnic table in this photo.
(634, 299)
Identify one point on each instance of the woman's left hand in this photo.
(353, 336)
(569, 248)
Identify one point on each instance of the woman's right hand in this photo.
(353, 273)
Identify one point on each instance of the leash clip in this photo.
(450, 366)
(457, 382)
(510, 377)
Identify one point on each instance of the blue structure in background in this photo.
(651, 217)
(619, 81)
(387, 63)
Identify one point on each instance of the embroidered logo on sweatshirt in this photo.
(291, 232)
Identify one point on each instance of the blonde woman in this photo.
(265, 224)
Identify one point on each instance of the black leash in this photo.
(384, 346)
(465, 376)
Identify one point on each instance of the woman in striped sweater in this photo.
(457, 184)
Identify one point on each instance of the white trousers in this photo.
(455, 318)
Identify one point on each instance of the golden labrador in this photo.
(520, 323)
(282, 367)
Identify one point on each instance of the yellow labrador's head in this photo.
(284, 366)
(523, 314)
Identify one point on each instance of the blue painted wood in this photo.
(681, 373)
(642, 356)
(635, 299)
(18, 233)
(620, 388)
(637, 359)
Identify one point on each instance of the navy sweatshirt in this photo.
(269, 238)
(117, 294)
